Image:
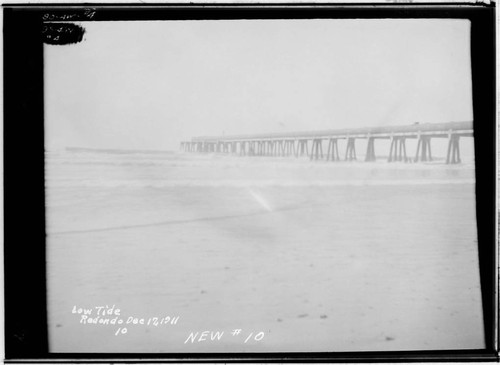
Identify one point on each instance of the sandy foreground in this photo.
(293, 267)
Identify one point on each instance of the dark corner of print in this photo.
(62, 33)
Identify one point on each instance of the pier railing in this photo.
(297, 143)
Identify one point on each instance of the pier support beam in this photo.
(286, 148)
(303, 148)
(398, 150)
(317, 149)
(281, 148)
(370, 150)
(276, 149)
(251, 148)
(259, 148)
(289, 147)
(333, 150)
(350, 152)
(270, 148)
(453, 155)
(423, 149)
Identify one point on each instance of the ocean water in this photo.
(295, 255)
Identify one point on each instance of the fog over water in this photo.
(151, 85)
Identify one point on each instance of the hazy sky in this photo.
(150, 85)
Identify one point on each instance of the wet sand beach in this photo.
(316, 256)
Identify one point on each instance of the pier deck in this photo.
(310, 143)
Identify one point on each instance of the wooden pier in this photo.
(297, 144)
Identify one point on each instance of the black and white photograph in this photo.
(294, 185)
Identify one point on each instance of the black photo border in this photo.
(26, 332)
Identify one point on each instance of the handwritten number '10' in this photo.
(121, 331)
(259, 336)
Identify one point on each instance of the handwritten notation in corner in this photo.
(79, 15)
(62, 33)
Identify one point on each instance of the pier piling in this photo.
(423, 149)
(370, 150)
(297, 143)
(453, 155)
(350, 152)
(317, 149)
(398, 150)
(333, 150)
